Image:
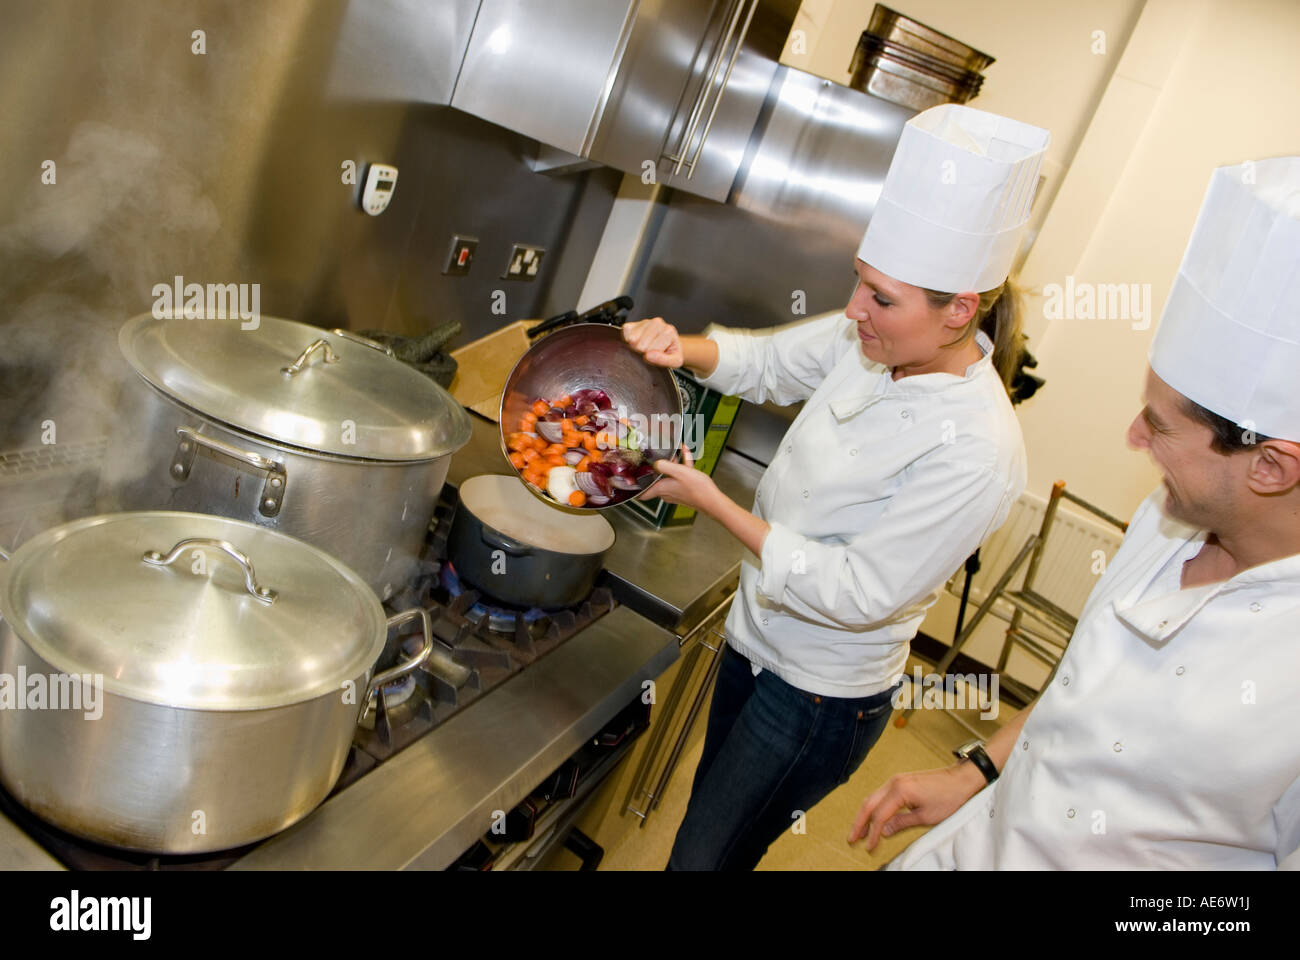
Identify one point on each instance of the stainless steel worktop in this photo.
(672, 576)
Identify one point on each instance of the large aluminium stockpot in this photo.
(199, 678)
(320, 434)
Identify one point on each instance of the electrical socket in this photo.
(525, 262)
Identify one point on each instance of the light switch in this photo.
(461, 256)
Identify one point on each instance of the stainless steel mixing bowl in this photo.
(587, 356)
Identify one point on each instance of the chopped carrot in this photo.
(589, 441)
(525, 426)
(564, 401)
(566, 425)
(595, 456)
(538, 443)
(580, 421)
(577, 498)
(530, 418)
(572, 440)
(530, 455)
(555, 449)
(517, 461)
(540, 408)
(583, 464)
(555, 461)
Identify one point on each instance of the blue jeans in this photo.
(770, 750)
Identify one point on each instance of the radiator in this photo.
(1078, 548)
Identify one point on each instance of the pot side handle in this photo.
(499, 540)
(260, 593)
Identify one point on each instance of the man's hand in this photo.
(911, 799)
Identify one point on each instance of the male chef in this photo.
(1169, 737)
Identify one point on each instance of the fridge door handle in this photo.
(731, 64)
(697, 110)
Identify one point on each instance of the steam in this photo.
(80, 257)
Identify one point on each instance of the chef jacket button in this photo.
(805, 494)
(1025, 745)
(1065, 681)
(905, 414)
(789, 448)
(853, 451)
(1255, 607)
(1118, 746)
(990, 813)
(1180, 670)
(1070, 813)
(1162, 624)
(765, 621)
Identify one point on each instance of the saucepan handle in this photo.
(260, 593)
(448, 669)
(499, 540)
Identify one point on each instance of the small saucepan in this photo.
(515, 548)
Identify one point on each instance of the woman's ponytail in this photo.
(1000, 315)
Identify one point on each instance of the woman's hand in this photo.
(656, 340)
(924, 798)
(682, 483)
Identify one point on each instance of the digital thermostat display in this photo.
(381, 182)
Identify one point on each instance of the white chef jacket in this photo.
(1168, 737)
(879, 491)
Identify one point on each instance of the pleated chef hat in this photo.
(955, 203)
(1229, 337)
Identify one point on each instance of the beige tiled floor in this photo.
(926, 741)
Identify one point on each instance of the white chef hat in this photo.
(1229, 337)
(955, 203)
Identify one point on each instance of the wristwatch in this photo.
(973, 751)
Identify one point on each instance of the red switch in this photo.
(463, 258)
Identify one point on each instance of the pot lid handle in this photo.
(260, 593)
(364, 341)
(320, 344)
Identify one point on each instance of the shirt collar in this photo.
(1157, 619)
(924, 384)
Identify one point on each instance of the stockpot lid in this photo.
(192, 633)
(346, 398)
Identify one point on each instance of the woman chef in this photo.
(904, 458)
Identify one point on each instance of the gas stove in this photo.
(494, 640)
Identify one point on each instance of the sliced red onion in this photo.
(605, 417)
(588, 484)
(619, 482)
(550, 432)
(598, 500)
(574, 457)
(599, 397)
(585, 408)
(588, 428)
(554, 415)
